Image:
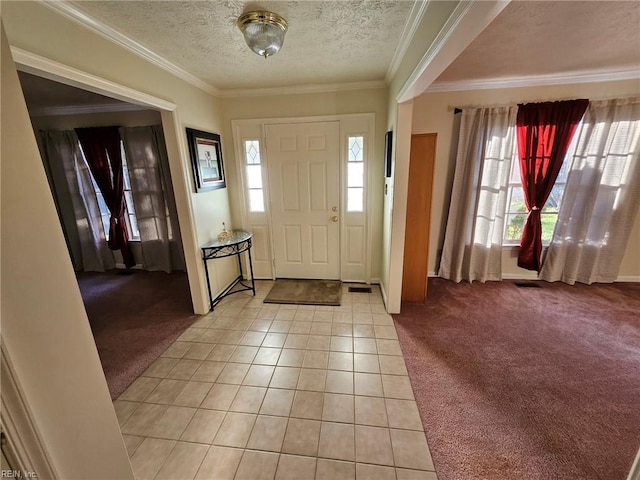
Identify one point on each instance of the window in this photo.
(253, 167)
(355, 174)
(130, 212)
(516, 214)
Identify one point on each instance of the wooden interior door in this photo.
(416, 244)
(304, 177)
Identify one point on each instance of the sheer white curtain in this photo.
(473, 240)
(153, 199)
(77, 204)
(601, 198)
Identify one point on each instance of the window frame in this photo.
(363, 180)
(129, 209)
(515, 182)
(247, 165)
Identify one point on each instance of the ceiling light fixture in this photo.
(263, 32)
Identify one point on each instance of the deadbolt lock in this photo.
(334, 209)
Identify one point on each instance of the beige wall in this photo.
(35, 28)
(433, 112)
(305, 105)
(45, 331)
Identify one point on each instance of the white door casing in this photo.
(304, 184)
(359, 230)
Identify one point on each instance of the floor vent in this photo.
(125, 272)
(359, 289)
(528, 285)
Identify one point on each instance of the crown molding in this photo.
(595, 76)
(47, 68)
(85, 109)
(72, 13)
(443, 35)
(302, 89)
(410, 28)
(466, 22)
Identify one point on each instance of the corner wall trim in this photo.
(384, 296)
(21, 433)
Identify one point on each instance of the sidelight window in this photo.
(255, 190)
(355, 173)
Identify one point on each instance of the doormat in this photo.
(305, 292)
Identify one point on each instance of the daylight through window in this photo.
(253, 167)
(130, 212)
(516, 214)
(355, 174)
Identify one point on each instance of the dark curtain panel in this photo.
(153, 198)
(101, 147)
(544, 132)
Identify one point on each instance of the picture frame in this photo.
(388, 147)
(205, 151)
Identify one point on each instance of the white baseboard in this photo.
(534, 276)
(122, 266)
(520, 276)
(505, 276)
(628, 278)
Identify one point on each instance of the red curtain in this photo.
(544, 133)
(101, 147)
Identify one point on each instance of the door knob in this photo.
(334, 218)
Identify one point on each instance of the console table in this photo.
(234, 244)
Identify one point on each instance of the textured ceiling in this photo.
(544, 38)
(327, 41)
(343, 41)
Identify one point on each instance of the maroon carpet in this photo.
(526, 383)
(134, 319)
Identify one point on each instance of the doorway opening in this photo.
(133, 317)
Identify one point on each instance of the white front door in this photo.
(304, 180)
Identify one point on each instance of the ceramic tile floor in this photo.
(254, 391)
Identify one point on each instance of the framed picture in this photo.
(206, 159)
(388, 145)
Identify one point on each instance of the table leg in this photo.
(206, 274)
(253, 283)
(239, 255)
